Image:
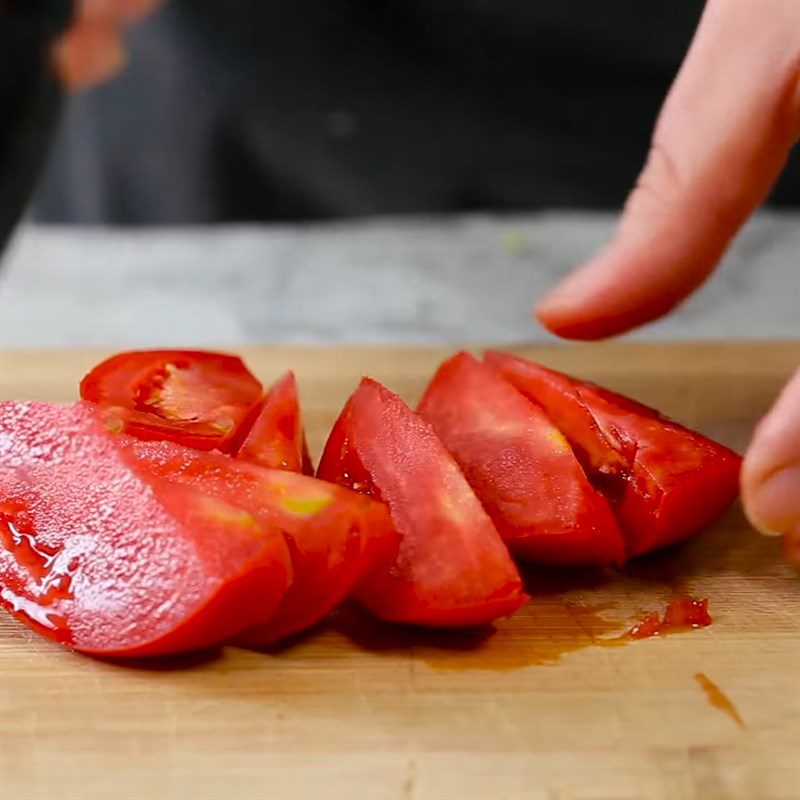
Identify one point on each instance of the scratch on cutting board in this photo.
(410, 783)
(704, 772)
(718, 698)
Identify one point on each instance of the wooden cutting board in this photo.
(542, 707)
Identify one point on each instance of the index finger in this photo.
(721, 141)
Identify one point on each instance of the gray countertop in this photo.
(409, 280)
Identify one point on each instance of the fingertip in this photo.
(770, 477)
(622, 287)
(771, 501)
(88, 55)
(554, 315)
(573, 292)
(791, 547)
(582, 324)
(567, 326)
(544, 313)
(577, 306)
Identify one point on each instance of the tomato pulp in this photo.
(667, 482)
(452, 568)
(114, 562)
(276, 438)
(335, 536)
(195, 398)
(521, 467)
(682, 614)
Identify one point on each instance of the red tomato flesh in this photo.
(335, 536)
(195, 398)
(521, 467)
(668, 482)
(276, 438)
(452, 568)
(101, 558)
(682, 614)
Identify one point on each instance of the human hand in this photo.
(721, 141)
(92, 50)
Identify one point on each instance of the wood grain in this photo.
(546, 706)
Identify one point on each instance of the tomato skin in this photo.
(335, 536)
(520, 467)
(667, 482)
(105, 560)
(452, 569)
(276, 439)
(196, 398)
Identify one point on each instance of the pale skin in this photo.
(721, 141)
(92, 50)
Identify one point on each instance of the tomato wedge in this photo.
(195, 398)
(99, 558)
(521, 467)
(335, 536)
(667, 482)
(276, 438)
(452, 568)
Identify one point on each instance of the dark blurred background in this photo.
(310, 109)
(352, 132)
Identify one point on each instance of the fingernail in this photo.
(773, 504)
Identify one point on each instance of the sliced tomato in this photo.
(276, 438)
(195, 398)
(668, 482)
(521, 467)
(97, 557)
(335, 536)
(452, 568)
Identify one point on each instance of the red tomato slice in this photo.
(276, 438)
(668, 482)
(335, 536)
(521, 467)
(452, 569)
(95, 557)
(194, 398)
